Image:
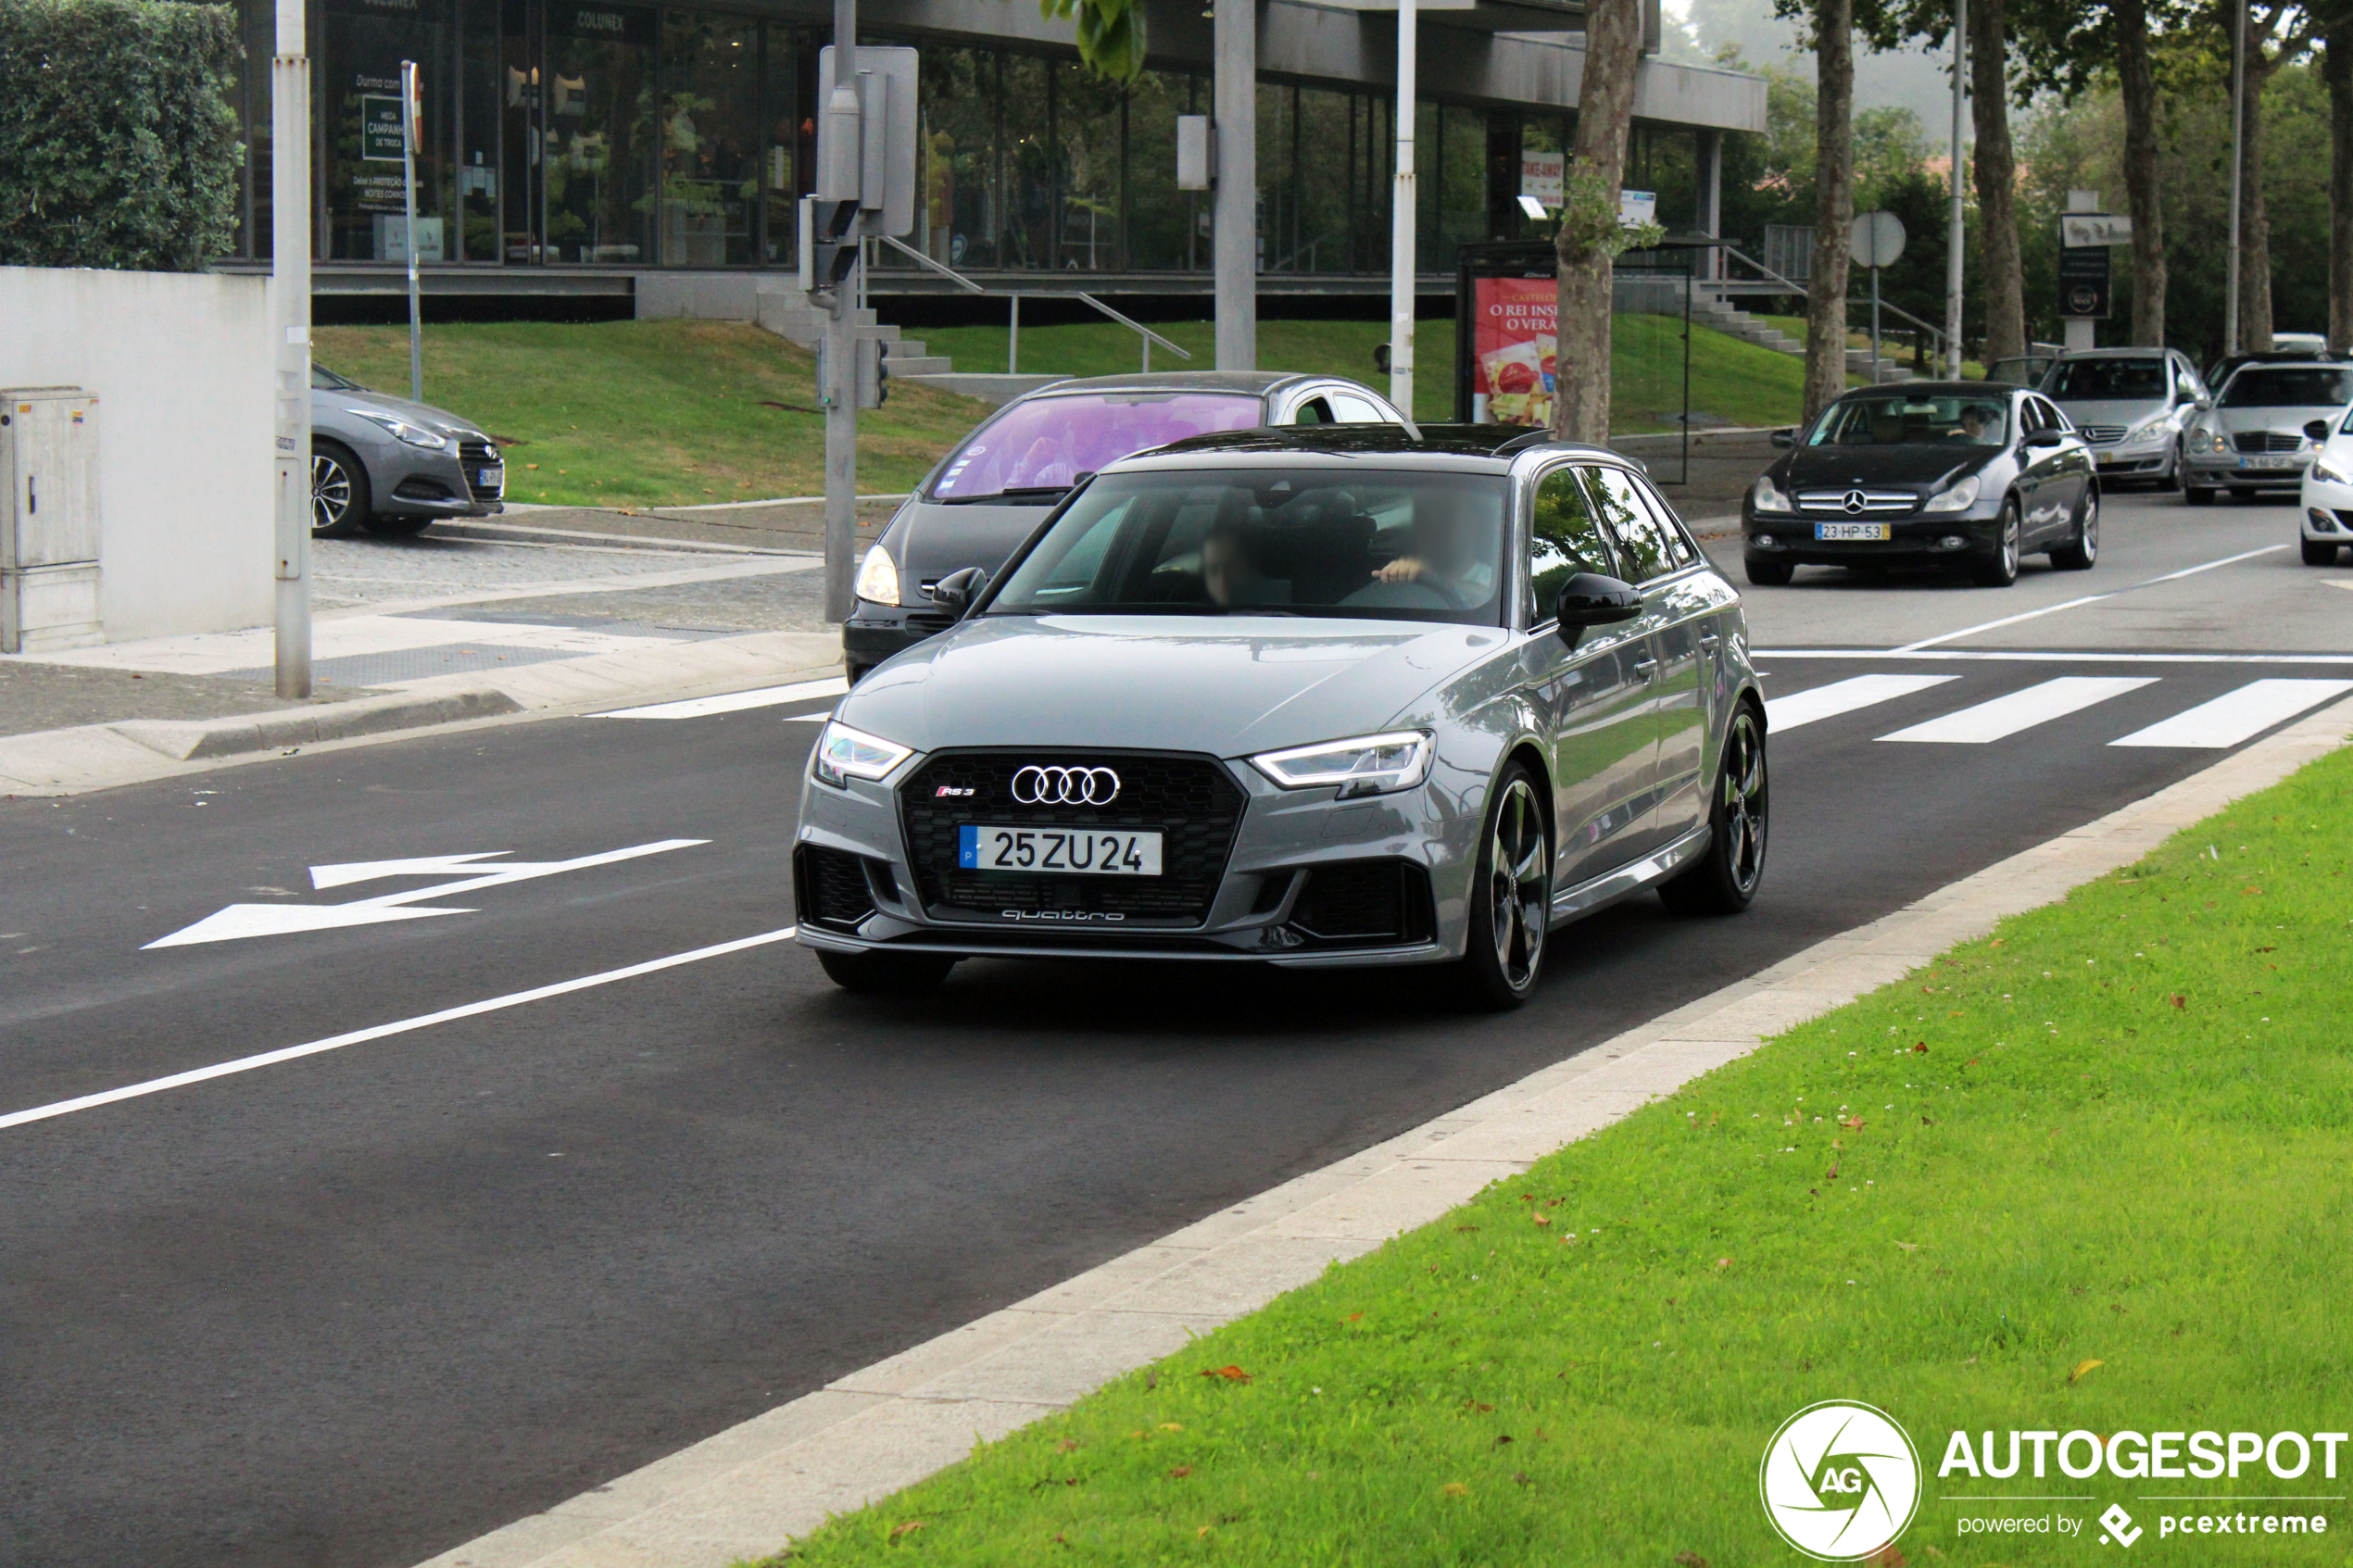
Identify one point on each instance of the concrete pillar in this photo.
(1233, 38)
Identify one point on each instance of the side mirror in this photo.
(2316, 431)
(2044, 438)
(1785, 437)
(2204, 402)
(956, 592)
(1590, 599)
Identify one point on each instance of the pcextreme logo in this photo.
(1840, 1481)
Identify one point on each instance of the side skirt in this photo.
(1627, 881)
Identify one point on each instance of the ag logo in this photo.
(1840, 1481)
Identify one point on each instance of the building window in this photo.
(362, 201)
(710, 138)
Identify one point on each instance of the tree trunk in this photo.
(2337, 70)
(2138, 78)
(2255, 217)
(1833, 202)
(1997, 182)
(1604, 124)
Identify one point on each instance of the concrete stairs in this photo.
(1728, 318)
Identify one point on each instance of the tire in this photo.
(2197, 495)
(1740, 812)
(1768, 574)
(397, 527)
(339, 499)
(2319, 552)
(886, 973)
(1511, 898)
(2176, 472)
(2000, 569)
(854, 674)
(2082, 552)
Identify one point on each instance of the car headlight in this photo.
(1366, 765)
(879, 578)
(400, 429)
(2147, 430)
(1767, 496)
(2202, 440)
(1959, 498)
(844, 754)
(2325, 474)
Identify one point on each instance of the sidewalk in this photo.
(455, 625)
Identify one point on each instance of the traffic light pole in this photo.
(841, 367)
(290, 293)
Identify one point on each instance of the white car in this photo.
(2326, 502)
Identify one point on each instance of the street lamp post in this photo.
(1234, 227)
(2238, 171)
(1401, 223)
(290, 294)
(1953, 223)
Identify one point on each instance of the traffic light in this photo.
(874, 372)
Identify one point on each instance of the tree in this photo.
(2336, 68)
(2136, 81)
(1996, 170)
(1111, 34)
(1591, 236)
(2275, 36)
(1834, 202)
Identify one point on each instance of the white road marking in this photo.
(1843, 696)
(2235, 716)
(2008, 714)
(323, 877)
(2087, 599)
(385, 1031)
(240, 921)
(732, 702)
(2030, 656)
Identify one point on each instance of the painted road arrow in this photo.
(240, 921)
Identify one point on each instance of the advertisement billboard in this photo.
(1512, 349)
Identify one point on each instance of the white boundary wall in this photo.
(181, 365)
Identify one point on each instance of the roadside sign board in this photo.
(2095, 229)
(1876, 239)
(380, 128)
(2084, 282)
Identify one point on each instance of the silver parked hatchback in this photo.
(1304, 698)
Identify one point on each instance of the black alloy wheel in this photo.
(1510, 902)
(2000, 569)
(2081, 553)
(1739, 818)
(339, 500)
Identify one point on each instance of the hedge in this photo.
(118, 144)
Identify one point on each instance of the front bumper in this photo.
(874, 632)
(2211, 469)
(466, 481)
(1305, 881)
(2141, 459)
(1942, 540)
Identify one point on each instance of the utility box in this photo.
(48, 520)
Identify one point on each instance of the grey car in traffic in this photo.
(392, 466)
(2253, 438)
(2133, 406)
(1302, 698)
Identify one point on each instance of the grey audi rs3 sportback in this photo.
(1305, 698)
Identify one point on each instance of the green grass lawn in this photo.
(649, 413)
(1736, 382)
(2085, 1175)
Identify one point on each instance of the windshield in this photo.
(1045, 443)
(1897, 421)
(326, 379)
(2109, 381)
(2017, 372)
(1363, 546)
(2290, 386)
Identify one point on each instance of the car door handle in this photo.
(1647, 668)
(1709, 639)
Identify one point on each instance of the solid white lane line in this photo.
(2030, 656)
(731, 702)
(383, 1030)
(1843, 697)
(2235, 716)
(2087, 599)
(2006, 620)
(2008, 714)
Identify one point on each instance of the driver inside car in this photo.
(1446, 552)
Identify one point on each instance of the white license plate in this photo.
(1061, 851)
(1853, 531)
(491, 478)
(2275, 461)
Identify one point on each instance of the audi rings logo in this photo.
(1066, 786)
(1855, 501)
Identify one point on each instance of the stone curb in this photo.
(748, 1491)
(193, 740)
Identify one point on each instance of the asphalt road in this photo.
(356, 1307)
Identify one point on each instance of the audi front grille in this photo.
(1191, 801)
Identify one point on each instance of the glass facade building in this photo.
(574, 133)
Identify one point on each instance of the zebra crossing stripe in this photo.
(2013, 711)
(1843, 696)
(2236, 716)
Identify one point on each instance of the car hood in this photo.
(929, 539)
(2277, 418)
(2126, 411)
(1836, 468)
(425, 414)
(1225, 685)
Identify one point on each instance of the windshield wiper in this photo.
(1018, 491)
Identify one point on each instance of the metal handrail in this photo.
(922, 260)
(1936, 335)
(957, 277)
(1150, 336)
